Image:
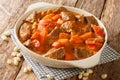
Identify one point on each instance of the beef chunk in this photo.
(25, 31)
(32, 17)
(80, 18)
(53, 35)
(55, 53)
(67, 16)
(58, 10)
(81, 53)
(91, 20)
(69, 26)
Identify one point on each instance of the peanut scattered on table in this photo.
(16, 49)
(4, 38)
(16, 57)
(85, 74)
(7, 33)
(9, 61)
(27, 69)
(104, 76)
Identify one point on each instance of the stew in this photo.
(61, 34)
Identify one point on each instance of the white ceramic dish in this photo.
(84, 63)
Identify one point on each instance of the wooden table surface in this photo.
(108, 11)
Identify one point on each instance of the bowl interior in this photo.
(25, 15)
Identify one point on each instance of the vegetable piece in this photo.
(56, 45)
(69, 56)
(35, 35)
(98, 30)
(93, 42)
(64, 42)
(76, 39)
(36, 38)
(64, 36)
(87, 35)
(43, 33)
(48, 17)
(48, 24)
(61, 43)
(56, 17)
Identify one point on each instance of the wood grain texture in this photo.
(9, 13)
(93, 6)
(110, 17)
(25, 76)
(60, 2)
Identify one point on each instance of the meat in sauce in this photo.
(61, 34)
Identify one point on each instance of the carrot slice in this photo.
(56, 17)
(35, 35)
(76, 39)
(98, 30)
(43, 32)
(93, 42)
(48, 24)
(87, 35)
(48, 17)
(64, 36)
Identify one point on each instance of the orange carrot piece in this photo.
(76, 39)
(87, 35)
(64, 36)
(35, 35)
(48, 17)
(99, 31)
(56, 17)
(93, 43)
